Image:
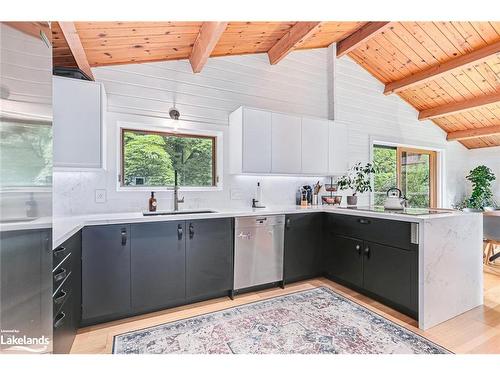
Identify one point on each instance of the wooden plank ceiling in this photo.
(448, 71)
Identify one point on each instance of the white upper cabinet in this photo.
(286, 153)
(264, 142)
(339, 148)
(315, 146)
(250, 141)
(78, 108)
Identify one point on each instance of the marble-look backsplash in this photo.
(74, 193)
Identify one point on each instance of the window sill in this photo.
(162, 188)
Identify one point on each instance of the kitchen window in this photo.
(150, 158)
(25, 154)
(412, 170)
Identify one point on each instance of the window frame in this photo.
(440, 186)
(217, 156)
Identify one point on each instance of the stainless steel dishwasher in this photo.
(258, 250)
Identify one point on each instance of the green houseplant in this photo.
(357, 179)
(481, 196)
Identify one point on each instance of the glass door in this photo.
(413, 171)
(417, 176)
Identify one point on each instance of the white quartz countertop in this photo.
(65, 227)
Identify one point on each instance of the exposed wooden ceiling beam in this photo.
(436, 71)
(75, 45)
(460, 135)
(362, 35)
(449, 109)
(294, 37)
(209, 35)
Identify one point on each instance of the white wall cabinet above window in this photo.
(263, 142)
(79, 107)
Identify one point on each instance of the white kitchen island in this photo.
(450, 280)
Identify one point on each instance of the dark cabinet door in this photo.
(105, 271)
(344, 259)
(302, 246)
(389, 272)
(158, 264)
(209, 257)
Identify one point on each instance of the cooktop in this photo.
(403, 211)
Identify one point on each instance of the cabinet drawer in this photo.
(61, 294)
(382, 231)
(61, 272)
(64, 332)
(59, 253)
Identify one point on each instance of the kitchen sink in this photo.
(183, 212)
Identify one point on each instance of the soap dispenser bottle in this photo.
(152, 202)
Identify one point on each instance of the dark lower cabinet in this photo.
(344, 259)
(390, 273)
(209, 257)
(384, 271)
(105, 272)
(158, 265)
(302, 246)
(136, 268)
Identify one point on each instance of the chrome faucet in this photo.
(176, 193)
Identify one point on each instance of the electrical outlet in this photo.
(236, 194)
(100, 196)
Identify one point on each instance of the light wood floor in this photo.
(476, 331)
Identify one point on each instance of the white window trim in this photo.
(182, 129)
(441, 164)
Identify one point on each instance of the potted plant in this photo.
(358, 180)
(481, 196)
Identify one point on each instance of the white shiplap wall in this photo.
(305, 82)
(370, 115)
(297, 85)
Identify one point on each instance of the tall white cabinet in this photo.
(78, 118)
(264, 142)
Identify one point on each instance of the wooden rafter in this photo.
(437, 71)
(365, 33)
(209, 35)
(75, 45)
(449, 109)
(294, 38)
(460, 135)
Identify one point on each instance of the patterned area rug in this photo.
(309, 322)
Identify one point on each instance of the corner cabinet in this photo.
(263, 142)
(78, 116)
(374, 256)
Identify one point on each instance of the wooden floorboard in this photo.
(476, 331)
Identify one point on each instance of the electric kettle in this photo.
(394, 199)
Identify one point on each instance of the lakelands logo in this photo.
(9, 340)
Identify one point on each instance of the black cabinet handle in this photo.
(60, 274)
(124, 237)
(59, 319)
(59, 250)
(358, 248)
(179, 232)
(367, 252)
(191, 230)
(364, 221)
(59, 297)
(287, 223)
